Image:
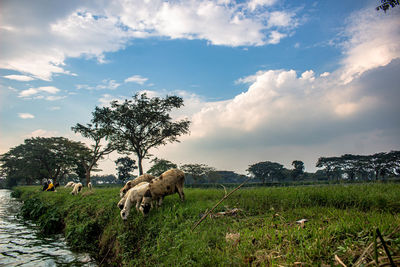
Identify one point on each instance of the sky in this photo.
(262, 80)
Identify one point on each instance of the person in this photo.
(45, 184)
(48, 186)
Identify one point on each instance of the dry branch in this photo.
(219, 202)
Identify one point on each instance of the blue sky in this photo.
(261, 79)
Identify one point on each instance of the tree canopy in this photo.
(386, 4)
(160, 165)
(198, 171)
(125, 167)
(267, 171)
(141, 123)
(39, 158)
(298, 169)
(98, 148)
(367, 167)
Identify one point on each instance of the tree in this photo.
(160, 166)
(267, 171)
(98, 150)
(142, 123)
(197, 171)
(330, 165)
(298, 169)
(40, 158)
(386, 4)
(125, 165)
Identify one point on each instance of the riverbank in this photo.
(341, 221)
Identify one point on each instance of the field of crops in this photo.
(254, 226)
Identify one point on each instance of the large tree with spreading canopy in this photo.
(141, 123)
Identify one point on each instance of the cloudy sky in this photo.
(261, 79)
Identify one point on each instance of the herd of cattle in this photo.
(145, 191)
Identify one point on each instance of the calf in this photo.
(134, 195)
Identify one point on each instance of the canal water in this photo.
(22, 245)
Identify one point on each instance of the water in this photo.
(21, 244)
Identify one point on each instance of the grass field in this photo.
(341, 222)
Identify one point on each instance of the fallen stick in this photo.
(366, 251)
(339, 261)
(385, 247)
(219, 202)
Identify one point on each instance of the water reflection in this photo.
(21, 245)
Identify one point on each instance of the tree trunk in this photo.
(140, 159)
(87, 175)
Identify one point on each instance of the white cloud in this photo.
(281, 19)
(22, 78)
(325, 74)
(26, 116)
(105, 99)
(308, 75)
(39, 44)
(373, 41)
(33, 91)
(49, 89)
(253, 4)
(41, 93)
(136, 79)
(54, 108)
(275, 37)
(28, 92)
(54, 98)
(105, 84)
(108, 84)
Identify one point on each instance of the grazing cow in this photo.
(134, 195)
(122, 201)
(90, 186)
(70, 184)
(143, 178)
(168, 183)
(77, 189)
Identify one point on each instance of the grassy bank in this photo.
(341, 221)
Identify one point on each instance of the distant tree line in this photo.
(359, 167)
(348, 167)
(37, 158)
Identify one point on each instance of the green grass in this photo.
(342, 220)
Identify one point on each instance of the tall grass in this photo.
(341, 221)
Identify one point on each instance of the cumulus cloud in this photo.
(277, 96)
(26, 116)
(39, 44)
(136, 79)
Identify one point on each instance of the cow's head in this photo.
(125, 189)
